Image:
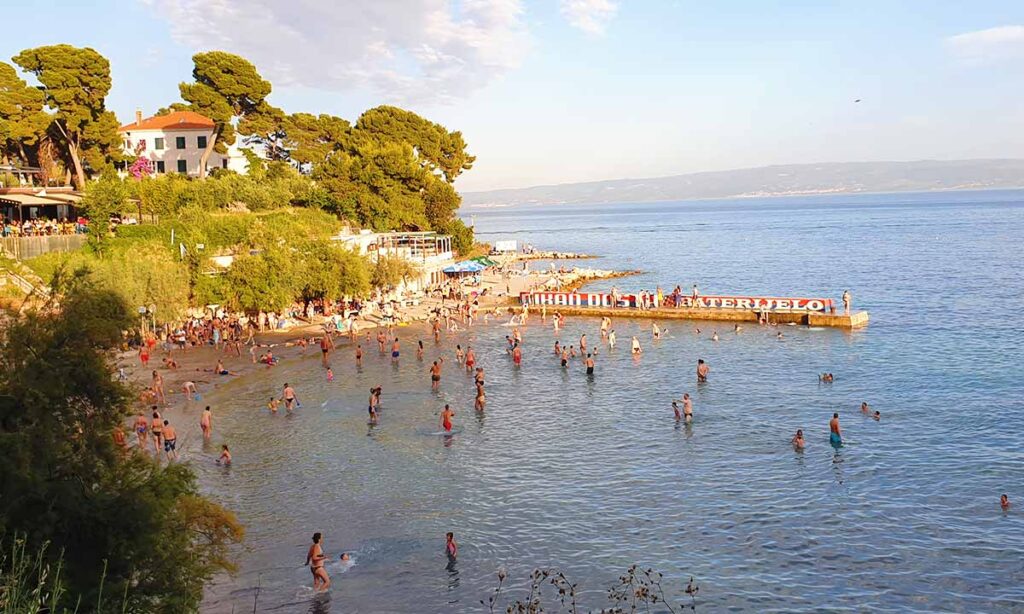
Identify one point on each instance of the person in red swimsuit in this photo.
(446, 418)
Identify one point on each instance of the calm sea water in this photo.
(593, 475)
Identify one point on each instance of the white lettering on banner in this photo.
(601, 299)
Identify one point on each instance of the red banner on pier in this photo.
(745, 303)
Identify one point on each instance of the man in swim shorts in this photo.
(470, 358)
(141, 430)
(435, 375)
(687, 408)
(394, 350)
(326, 345)
(589, 364)
(170, 441)
(835, 435)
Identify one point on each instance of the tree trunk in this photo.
(77, 161)
(210, 144)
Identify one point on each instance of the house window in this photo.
(160, 166)
(179, 142)
(224, 163)
(182, 166)
(158, 143)
(201, 142)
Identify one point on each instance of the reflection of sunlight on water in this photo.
(593, 475)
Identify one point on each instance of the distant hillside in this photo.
(783, 180)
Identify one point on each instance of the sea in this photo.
(589, 476)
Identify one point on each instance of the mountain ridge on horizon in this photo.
(773, 180)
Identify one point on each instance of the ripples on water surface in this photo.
(592, 476)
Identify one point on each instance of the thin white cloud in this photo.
(992, 44)
(591, 16)
(408, 50)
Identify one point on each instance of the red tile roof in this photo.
(177, 120)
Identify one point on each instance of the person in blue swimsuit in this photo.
(835, 435)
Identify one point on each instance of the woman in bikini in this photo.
(446, 418)
(315, 559)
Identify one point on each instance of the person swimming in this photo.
(225, 456)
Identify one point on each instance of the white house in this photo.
(429, 252)
(175, 143)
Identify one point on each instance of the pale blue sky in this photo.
(571, 90)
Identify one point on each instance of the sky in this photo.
(559, 91)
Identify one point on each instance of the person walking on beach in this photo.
(157, 429)
(326, 345)
(158, 387)
(446, 418)
(435, 375)
(847, 300)
(419, 349)
(141, 428)
(170, 441)
(315, 559)
(206, 423)
(702, 370)
(835, 435)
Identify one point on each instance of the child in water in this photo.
(225, 456)
(330, 375)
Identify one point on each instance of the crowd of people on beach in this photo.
(229, 332)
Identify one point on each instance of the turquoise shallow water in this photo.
(594, 475)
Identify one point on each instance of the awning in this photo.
(466, 266)
(484, 260)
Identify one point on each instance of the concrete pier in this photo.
(833, 320)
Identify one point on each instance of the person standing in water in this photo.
(394, 350)
(611, 339)
(589, 363)
(435, 375)
(517, 355)
(206, 423)
(583, 343)
(451, 549)
(655, 331)
(170, 441)
(326, 345)
(225, 456)
(315, 559)
(470, 359)
(359, 355)
(835, 434)
(702, 370)
(288, 396)
(687, 408)
(636, 346)
(798, 440)
(446, 418)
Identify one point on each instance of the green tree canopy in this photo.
(75, 82)
(23, 122)
(65, 482)
(226, 87)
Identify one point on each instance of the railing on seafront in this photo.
(626, 301)
(23, 248)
